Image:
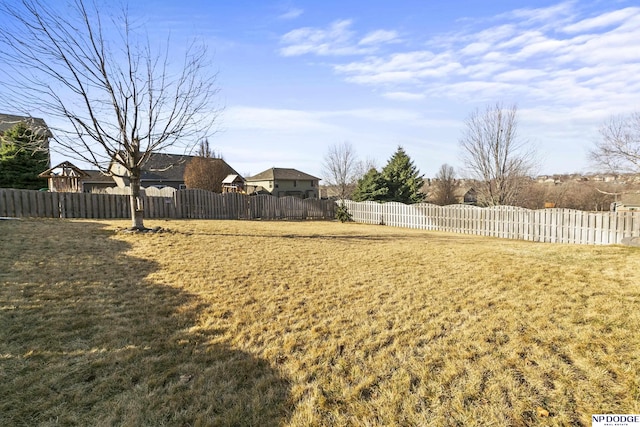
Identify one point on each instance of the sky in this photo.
(297, 77)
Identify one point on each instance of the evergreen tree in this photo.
(403, 180)
(371, 186)
(22, 158)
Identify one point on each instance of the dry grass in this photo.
(281, 323)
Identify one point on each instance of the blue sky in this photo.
(299, 76)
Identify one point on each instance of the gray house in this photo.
(281, 182)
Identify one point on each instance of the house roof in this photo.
(167, 167)
(97, 176)
(64, 169)
(170, 167)
(7, 121)
(630, 198)
(282, 174)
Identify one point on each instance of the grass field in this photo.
(310, 324)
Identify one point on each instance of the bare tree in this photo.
(121, 100)
(445, 185)
(363, 167)
(340, 168)
(207, 170)
(619, 146)
(495, 156)
(205, 150)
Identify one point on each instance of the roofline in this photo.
(274, 177)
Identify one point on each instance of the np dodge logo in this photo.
(615, 420)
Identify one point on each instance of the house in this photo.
(629, 202)
(37, 126)
(162, 170)
(281, 182)
(96, 181)
(470, 196)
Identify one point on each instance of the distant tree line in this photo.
(586, 195)
(498, 166)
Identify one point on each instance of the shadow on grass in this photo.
(86, 339)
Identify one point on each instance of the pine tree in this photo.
(371, 186)
(403, 179)
(22, 158)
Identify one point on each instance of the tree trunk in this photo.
(137, 209)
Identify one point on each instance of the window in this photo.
(295, 183)
(182, 187)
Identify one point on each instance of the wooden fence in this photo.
(545, 225)
(194, 204)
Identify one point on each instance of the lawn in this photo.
(310, 323)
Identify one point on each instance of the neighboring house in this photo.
(96, 182)
(233, 184)
(282, 182)
(37, 126)
(329, 192)
(628, 202)
(470, 197)
(162, 170)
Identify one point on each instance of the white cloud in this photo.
(410, 67)
(292, 13)
(553, 54)
(491, 36)
(476, 48)
(379, 36)
(378, 114)
(404, 96)
(605, 20)
(546, 16)
(269, 119)
(522, 75)
(337, 39)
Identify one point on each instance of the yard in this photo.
(310, 323)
